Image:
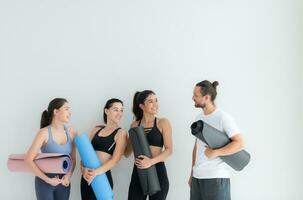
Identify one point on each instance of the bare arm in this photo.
(168, 143)
(236, 145)
(40, 139)
(192, 163)
(193, 157)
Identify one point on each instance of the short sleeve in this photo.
(229, 126)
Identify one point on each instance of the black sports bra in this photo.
(153, 135)
(106, 144)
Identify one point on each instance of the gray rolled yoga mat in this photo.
(148, 177)
(216, 139)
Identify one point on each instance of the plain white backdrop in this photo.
(90, 51)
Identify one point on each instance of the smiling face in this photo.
(150, 105)
(200, 101)
(63, 114)
(115, 112)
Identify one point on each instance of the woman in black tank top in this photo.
(158, 134)
(109, 141)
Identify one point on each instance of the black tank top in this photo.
(153, 135)
(105, 144)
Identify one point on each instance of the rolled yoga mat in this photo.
(216, 139)
(47, 162)
(100, 184)
(148, 177)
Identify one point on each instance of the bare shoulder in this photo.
(121, 133)
(43, 130)
(42, 134)
(97, 127)
(95, 130)
(164, 125)
(163, 122)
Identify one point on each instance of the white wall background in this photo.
(89, 51)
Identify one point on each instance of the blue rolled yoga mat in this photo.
(216, 139)
(100, 184)
(148, 177)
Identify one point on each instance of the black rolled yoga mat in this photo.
(148, 177)
(216, 139)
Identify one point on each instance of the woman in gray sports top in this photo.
(53, 137)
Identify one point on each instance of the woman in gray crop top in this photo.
(53, 137)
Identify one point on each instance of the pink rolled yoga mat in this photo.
(47, 162)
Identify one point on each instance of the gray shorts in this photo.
(210, 189)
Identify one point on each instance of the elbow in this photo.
(238, 145)
(28, 160)
(242, 146)
(170, 151)
(114, 162)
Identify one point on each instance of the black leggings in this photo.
(135, 191)
(87, 192)
(45, 191)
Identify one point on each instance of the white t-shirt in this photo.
(205, 168)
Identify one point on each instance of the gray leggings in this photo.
(210, 189)
(45, 191)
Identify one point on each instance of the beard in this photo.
(200, 105)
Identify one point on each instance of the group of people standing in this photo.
(209, 178)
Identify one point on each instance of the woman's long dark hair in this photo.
(139, 98)
(47, 115)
